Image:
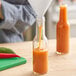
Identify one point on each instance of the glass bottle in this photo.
(40, 51)
(63, 31)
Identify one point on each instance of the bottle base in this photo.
(60, 53)
(38, 74)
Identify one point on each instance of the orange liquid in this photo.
(40, 30)
(40, 61)
(63, 30)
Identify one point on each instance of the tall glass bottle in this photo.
(40, 51)
(63, 31)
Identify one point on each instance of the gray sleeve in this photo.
(9, 16)
(13, 13)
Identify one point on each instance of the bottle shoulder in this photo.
(63, 24)
(36, 38)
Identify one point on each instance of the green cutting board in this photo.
(11, 62)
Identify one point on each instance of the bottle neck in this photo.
(40, 28)
(63, 13)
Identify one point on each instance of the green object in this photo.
(11, 62)
(6, 50)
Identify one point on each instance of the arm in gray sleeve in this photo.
(17, 12)
(9, 13)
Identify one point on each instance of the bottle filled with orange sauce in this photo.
(63, 32)
(40, 52)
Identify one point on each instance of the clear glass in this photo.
(40, 50)
(44, 43)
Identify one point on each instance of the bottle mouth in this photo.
(40, 20)
(63, 6)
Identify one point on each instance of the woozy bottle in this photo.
(63, 30)
(40, 52)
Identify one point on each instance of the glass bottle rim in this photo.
(40, 19)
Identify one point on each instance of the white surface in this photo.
(40, 6)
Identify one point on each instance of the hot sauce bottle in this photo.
(63, 31)
(40, 52)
